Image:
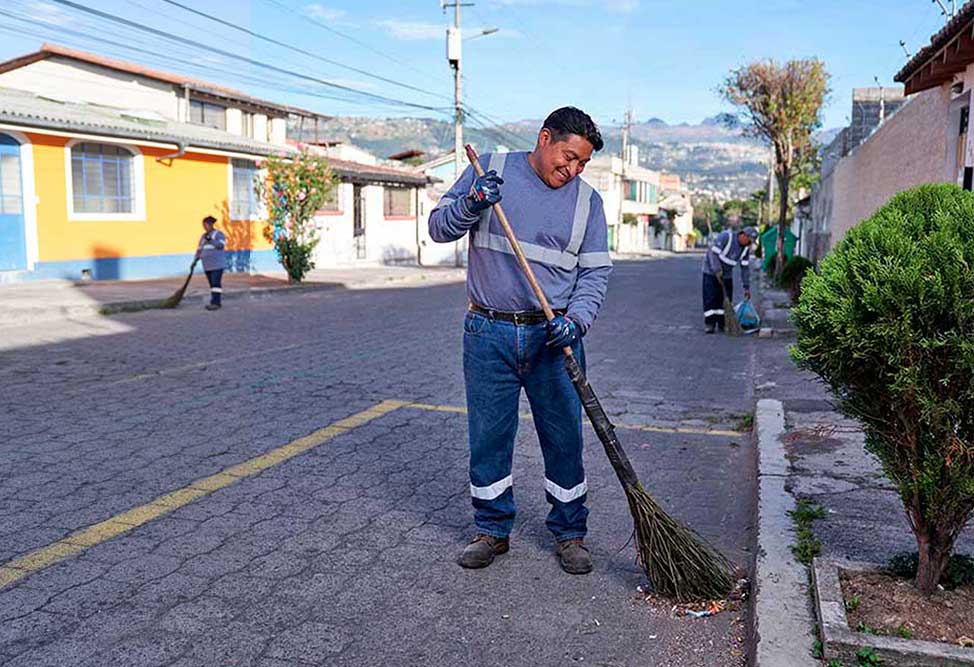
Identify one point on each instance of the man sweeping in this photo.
(728, 250)
(507, 342)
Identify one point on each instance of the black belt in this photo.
(520, 317)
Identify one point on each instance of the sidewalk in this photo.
(819, 457)
(49, 301)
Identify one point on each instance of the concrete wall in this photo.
(69, 80)
(908, 150)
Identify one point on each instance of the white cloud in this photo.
(413, 30)
(319, 11)
(48, 13)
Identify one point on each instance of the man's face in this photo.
(208, 226)
(558, 162)
(744, 239)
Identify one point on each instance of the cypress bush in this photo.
(888, 324)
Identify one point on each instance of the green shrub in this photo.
(959, 570)
(888, 324)
(795, 269)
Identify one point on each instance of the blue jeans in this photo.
(499, 358)
(215, 277)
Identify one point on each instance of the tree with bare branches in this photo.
(782, 105)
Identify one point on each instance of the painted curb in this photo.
(783, 618)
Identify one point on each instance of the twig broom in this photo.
(177, 296)
(731, 324)
(678, 562)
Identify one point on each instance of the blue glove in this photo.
(485, 192)
(562, 332)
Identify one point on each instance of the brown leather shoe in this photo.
(481, 551)
(574, 557)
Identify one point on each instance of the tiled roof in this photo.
(943, 37)
(54, 50)
(18, 107)
(377, 173)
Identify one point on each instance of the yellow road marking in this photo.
(631, 427)
(85, 538)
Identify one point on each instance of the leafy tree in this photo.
(782, 105)
(294, 190)
(887, 325)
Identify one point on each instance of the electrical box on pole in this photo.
(453, 45)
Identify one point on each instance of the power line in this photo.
(257, 63)
(296, 49)
(207, 70)
(323, 26)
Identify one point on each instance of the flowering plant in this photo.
(294, 189)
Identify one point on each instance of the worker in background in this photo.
(211, 251)
(728, 250)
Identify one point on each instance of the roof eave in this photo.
(950, 51)
(160, 137)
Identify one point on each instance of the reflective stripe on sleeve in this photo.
(590, 260)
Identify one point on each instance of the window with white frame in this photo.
(398, 202)
(243, 204)
(102, 177)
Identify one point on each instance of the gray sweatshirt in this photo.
(211, 250)
(724, 254)
(562, 232)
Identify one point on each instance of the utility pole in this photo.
(771, 188)
(882, 102)
(626, 125)
(453, 54)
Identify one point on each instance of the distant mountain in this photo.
(713, 157)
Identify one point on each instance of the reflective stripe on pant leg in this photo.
(557, 414)
(493, 389)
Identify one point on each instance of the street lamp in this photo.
(483, 31)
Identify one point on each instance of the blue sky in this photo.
(664, 57)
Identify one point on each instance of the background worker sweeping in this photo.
(211, 251)
(728, 250)
(507, 343)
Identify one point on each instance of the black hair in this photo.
(570, 120)
(210, 220)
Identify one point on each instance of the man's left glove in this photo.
(562, 332)
(484, 193)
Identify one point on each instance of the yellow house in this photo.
(107, 168)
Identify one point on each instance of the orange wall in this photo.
(178, 194)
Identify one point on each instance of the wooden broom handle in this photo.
(521, 259)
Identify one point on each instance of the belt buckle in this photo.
(517, 319)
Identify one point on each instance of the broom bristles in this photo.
(679, 563)
(731, 324)
(174, 300)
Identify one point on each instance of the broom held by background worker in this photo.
(508, 343)
(211, 249)
(729, 249)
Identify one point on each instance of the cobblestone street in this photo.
(284, 482)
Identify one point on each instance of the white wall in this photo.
(69, 80)
(387, 241)
(278, 132)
